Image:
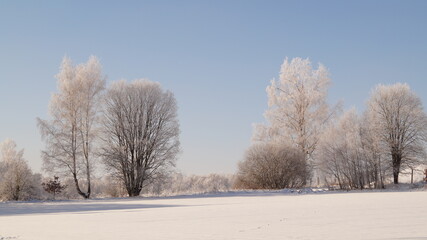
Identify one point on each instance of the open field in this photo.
(255, 215)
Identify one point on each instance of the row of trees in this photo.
(388, 138)
(18, 182)
(351, 150)
(131, 127)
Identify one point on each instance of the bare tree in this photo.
(400, 123)
(343, 153)
(372, 150)
(75, 116)
(298, 111)
(141, 132)
(272, 166)
(351, 153)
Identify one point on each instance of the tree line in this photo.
(128, 133)
(306, 140)
(130, 127)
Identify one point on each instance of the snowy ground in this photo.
(256, 215)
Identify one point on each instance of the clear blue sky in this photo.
(216, 56)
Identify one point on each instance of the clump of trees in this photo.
(132, 127)
(389, 138)
(17, 181)
(349, 154)
(350, 151)
(297, 115)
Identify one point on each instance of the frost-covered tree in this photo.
(350, 153)
(298, 111)
(272, 166)
(70, 134)
(17, 182)
(344, 154)
(141, 132)
(400, 122)
(373, 153)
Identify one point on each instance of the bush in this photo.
(272, 166)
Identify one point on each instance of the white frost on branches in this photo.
(298, 110)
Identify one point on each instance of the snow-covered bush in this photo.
(272, 166)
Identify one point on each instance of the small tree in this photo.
(53, 186)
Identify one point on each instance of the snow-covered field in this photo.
(255, 215)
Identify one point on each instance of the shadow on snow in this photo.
(11, 209)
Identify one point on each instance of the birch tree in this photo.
(298, 111)
(70, 134)
(401, 124)
(141, 132)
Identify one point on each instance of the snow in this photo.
(239, 215)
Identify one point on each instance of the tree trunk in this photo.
(79, 191)
(88, 180)
(395, 177)
(397, 159)
(134, 192)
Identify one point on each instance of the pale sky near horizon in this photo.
(216, 56)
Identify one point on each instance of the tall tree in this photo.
(400, 122)
(298, 111)
(75, 116)
(141, 132)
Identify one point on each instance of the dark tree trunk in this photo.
(79, 191)
(397, 160)
(134, 192)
